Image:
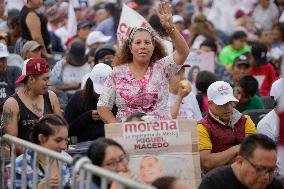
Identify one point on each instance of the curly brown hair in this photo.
(124, 55)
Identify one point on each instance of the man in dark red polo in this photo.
(223, 129)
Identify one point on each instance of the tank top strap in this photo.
(47, 104)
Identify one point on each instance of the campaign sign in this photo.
(162, 148)
(129, 19)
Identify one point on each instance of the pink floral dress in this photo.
(147, 95)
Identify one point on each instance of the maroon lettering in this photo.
(130, 127)
(148, 127)
(156, 126)
(173, 125)
(142, 127)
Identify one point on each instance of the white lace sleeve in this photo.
(107, 97)
(169, 65)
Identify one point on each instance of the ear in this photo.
(31, 78)
(41, 138)
(239, 159)
(210, 103)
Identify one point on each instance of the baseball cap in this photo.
(177, 18)
(277, 88)
(3, 51)
(242, 59)
(97, 37)
(98, 75)
(259, 51)
(76, 54)
(83, 24)
(33, 66)
(30, 46)
(103, 51)
(220, 92)
(176, 2)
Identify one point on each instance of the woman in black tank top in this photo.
(30, 22)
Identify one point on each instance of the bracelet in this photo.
(172, 30)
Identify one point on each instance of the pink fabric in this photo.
(205, 104)
(148, 94)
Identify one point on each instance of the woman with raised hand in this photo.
(50, 131)
(140, 79)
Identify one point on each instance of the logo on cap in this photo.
(223, 89)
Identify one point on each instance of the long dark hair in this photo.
(88, 97)
(96, 152)
(203, 80)
(115, 10)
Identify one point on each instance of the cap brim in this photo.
(225, 100)
(4, 55)
(35, 47)
(84, 25)
(21, 79)
(76, 61)
(244, 63)
(104, 39)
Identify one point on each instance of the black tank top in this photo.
(27, 117)
(25, 32)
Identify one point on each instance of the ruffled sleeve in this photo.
(169, 66)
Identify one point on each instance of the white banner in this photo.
(128, 20)
(72, 21)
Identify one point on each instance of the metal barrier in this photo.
(82, 166)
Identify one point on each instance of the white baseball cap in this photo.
(97, 37)
(3, 51)
(277, 88)
(98, 75)
(220, 92)
(177, 18)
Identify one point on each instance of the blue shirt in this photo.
(106, 27)
(40, 175)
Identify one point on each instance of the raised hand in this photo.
(165, 16)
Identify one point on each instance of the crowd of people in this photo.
(54, 86)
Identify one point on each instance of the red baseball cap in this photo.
(33, 66)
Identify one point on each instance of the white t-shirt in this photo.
(264, 17)
(62, 33)
(269, 125)
(189, 108)
(72, 74)
(66, 73)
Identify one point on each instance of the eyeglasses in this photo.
(261, 170)
(114, 163)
